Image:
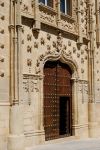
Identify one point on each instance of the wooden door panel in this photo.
(57, 77)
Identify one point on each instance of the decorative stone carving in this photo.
(74, 49)
(29, 62)
(29, 49)
(48, 36)
(64, 47)
(82, 20)
(42, 41)
(82, 60)
(86, 57)
(29, 37)
(83, 90)
(81, 2)
(48, 47)
(82, 12)
(1, 59)
(22, 29)
(36, 44)
(2, 31)
(78, 55)
(26, 86)
(82, 70)
(25, 8)
(41, 57)
(2, 4)
(2, 17)
(2, 46)
(82, 51)
(97, 71)
(47, 16)
(69, 43)
(59, 42)
(69, 25)
(2, 73)
(30, 84)
(32, 3)
(22, 41)
(54, 44)
(34, 86)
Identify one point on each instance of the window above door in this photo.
(65, 7)
(47, 2)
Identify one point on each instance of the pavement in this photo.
(88, 144)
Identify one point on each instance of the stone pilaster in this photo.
(75, 116)
(16, 112)
(58, 13)
(16, 136)
(97, 23)
(91, 103)
(37, 104)
(80, 39)
(36, 26)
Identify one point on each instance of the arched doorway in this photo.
(57, 100)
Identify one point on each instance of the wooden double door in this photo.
(57, 100)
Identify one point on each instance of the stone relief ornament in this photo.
(69, 43)
(42, 41)
(26, 86)
(36, 44)
(64, 47)
(47, 16)
(2, 4)
(54, 44)
(82, 70)
(2, 73)
(30, 85)
(48, 47)
(29, 48)
(25, 7)
(82, 60)
(59, 42)
(74, 49)
(29, 62)
(48, 36)
(29, 37)
(83, 90)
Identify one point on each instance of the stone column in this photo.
(80, 39)
(41, 109)
(37, 104)
(58, 13)
(35, 4)
(97, 23)
(75, 109)
(16, 137)
(16, 113)
(91, 103)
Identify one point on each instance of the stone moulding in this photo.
(49, 16)
(65, 57)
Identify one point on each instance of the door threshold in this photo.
(63, 139)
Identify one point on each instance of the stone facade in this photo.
(30, 35)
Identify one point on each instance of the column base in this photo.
(16, 142)
(34, 138)
(93, 130)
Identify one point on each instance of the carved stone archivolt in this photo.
(60, 52)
